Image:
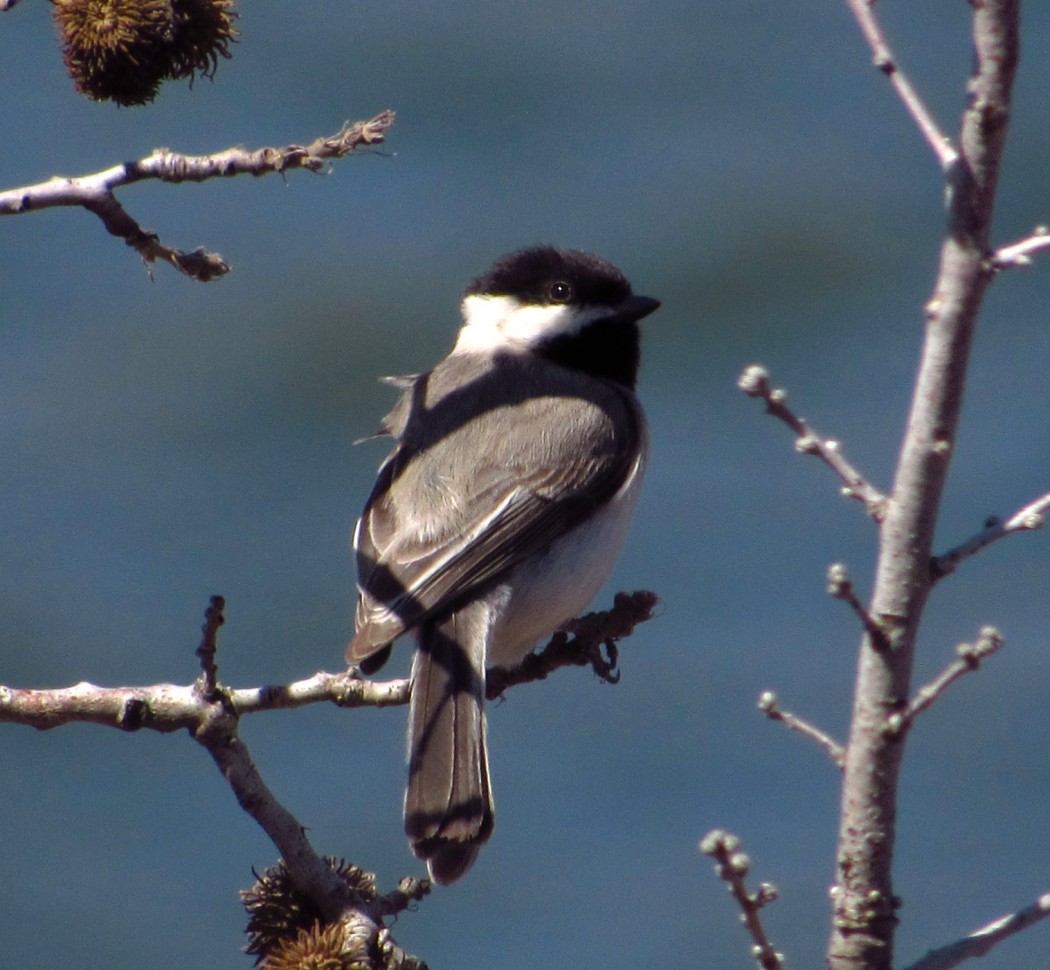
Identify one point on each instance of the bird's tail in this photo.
(448, 801)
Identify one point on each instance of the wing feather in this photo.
(459, 503)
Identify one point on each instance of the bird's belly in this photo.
(552, 587)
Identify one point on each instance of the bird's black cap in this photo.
(546, 274)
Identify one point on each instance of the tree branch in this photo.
(1020, 253)
(840, 587)
(211, 713)
(768, 705)
(96, 192)
(1028, 519)
(590, 634)
(754, 382)
(864, 905)
(883, 59)
(171, 707)
(968, 658)
(732, 866)
(980, 942)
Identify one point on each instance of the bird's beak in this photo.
(635, 307)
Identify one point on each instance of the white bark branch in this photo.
(96, 192)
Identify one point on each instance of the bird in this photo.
(499, 513)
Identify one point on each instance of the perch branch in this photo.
(968, 658)
(96, 192)
(768, 705)
(883, 59)
(172, 707)
(589, 634)
(732, 866)
(754, 382)
(980, 942)
(1028, 519)
(211, 713)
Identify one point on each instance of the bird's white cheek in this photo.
(501, 322)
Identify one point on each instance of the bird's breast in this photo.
(550, 588)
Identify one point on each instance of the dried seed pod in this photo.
(116, 50)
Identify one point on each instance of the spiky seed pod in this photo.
(203, 32)
(116, 50)
(318, 948)
(278, 912)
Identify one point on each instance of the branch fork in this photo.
(95, 193)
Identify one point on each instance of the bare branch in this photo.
(863, 901)
(767, 704)
(96, 192)
(754, 382)
(360, 915)
(1028, 519)
(208, 683)
(211, 713)
(1021, 253)
(883, 59)
(172, 707)
(980, 942)
(969, 658)
(840, 587)
(732, 866)
(590, 634)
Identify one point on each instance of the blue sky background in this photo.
(165, 440)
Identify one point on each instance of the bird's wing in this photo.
(439, 529)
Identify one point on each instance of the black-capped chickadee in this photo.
(499, 513)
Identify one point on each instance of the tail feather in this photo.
(448, 801)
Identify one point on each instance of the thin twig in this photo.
(1028, 519)
(767, 704)
(840, 587)
(754, 382)
(96, 192)
(732, 866)
(1020, 253)
(980, 942)
(213, 619)
(968, 658)
(883, 59)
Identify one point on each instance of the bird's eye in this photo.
(560, 292)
